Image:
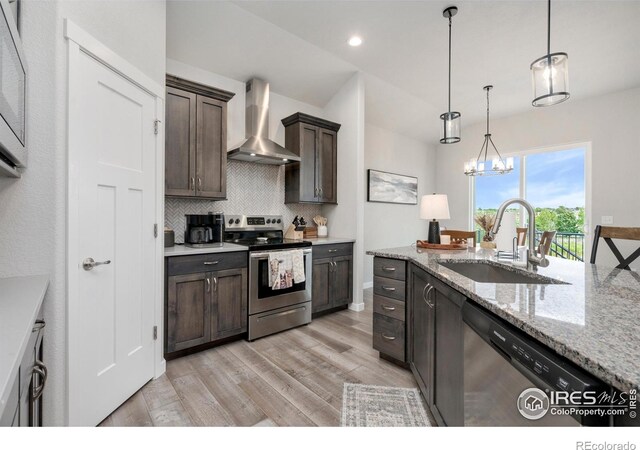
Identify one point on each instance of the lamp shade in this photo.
(434, 206)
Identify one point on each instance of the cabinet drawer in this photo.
(212, 262)
(331, 250)
(388, 307)
(389, 288)
(389, 268)
(388, 336)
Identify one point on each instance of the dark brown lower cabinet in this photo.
(205, 306)
(189, 302)
(321, 285)
(421, 332)
(229, 306)
(436, 343)
(448, 401)
(332, 285)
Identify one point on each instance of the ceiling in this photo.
(301, 48)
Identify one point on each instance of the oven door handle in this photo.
(264, 255)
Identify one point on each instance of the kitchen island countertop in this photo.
(592, 319)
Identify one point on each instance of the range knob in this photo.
(230, 221)
(237, 221)
(268, 220)
(279, 220)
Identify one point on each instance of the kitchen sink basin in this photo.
(489, 273)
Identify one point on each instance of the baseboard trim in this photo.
(356, 306)
(367, 284)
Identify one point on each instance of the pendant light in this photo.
(479, 166)
(550, 74)
(450, 133)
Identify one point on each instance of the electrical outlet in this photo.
(606, 220)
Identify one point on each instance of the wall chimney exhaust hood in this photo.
(258, 148)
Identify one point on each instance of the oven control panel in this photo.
(254, 222)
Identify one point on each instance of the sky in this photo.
(553, 179)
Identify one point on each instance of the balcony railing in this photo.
(564, 245)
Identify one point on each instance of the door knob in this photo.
(89, 263)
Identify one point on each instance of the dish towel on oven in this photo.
(280, 270)
(297, 259)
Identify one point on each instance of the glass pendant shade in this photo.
(550, 78)
(450, 129)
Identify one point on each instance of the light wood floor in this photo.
(294, 378)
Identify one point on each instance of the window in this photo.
(554, 183)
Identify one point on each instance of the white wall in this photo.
(346, 219)
(33, 209)
(609, 122)
(390, 225)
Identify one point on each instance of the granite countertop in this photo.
(592, 319)
(20, 301)
(183, 250)
(329, 240)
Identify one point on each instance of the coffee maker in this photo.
(204, 230)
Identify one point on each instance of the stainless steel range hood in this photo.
(258, 148)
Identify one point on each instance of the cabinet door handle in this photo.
(192, 185)
(389, 269)
(388, 308)
(215, 284)
(208, 284)
(41, 369)
(211, 263)
(315, 192)
(388, 338)
(320, 192)
(387, 288)
(425, 294)
(38, 325)
(199, 183)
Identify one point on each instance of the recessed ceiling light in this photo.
(285, 159)
(355, 41)
(253, 154)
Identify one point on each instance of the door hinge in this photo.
(155, 126)
(155, 230)
(155, 333)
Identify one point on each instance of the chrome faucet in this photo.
(532, 255)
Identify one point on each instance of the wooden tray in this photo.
(425, 244)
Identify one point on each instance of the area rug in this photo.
(364, 405)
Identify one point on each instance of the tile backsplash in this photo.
(251, 189)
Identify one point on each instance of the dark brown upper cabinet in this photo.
(195, 140)
(314, 178)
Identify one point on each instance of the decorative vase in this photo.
(322, 231)
(485, 244)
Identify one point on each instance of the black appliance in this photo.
(271, 310)
(204, 230)
(501, 363)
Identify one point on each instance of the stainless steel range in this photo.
(271, 310)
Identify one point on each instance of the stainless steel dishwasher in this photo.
(500, 362)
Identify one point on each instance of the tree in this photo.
(567, 220)
(546, 219)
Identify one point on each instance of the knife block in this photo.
(293, 234)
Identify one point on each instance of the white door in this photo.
(112, 198)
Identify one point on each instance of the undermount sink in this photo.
(484, 272)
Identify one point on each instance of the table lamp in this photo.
(434, 207)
